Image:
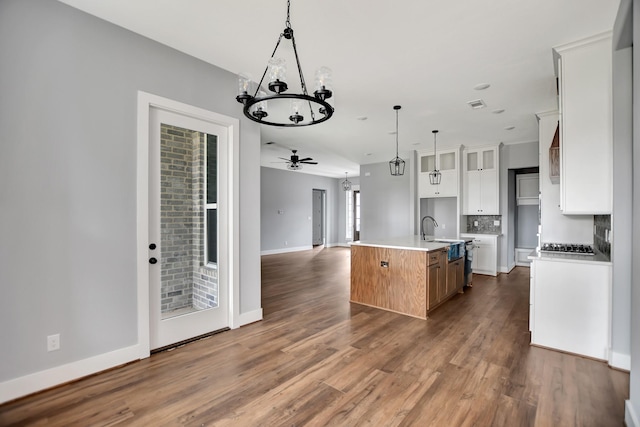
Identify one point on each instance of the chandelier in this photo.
(346, 184)
(434, 175)
(304, 109)
(396, 165)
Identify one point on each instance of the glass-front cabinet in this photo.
(481, 182)
(446, 161)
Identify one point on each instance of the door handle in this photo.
(152, 260)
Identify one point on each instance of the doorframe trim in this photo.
(146, 101)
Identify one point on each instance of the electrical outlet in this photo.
(444, 226)
(53, 342)
(286, 243)
(496, 223)
(475, 223)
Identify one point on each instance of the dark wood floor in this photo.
(318, 360)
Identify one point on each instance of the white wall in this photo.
(387, 202)
(290, 193)
(557, 227)
(68, 147)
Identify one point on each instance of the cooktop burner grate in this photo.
(567, 248)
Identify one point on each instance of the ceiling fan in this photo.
(295, 162)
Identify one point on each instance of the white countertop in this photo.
(414, 243)
(598, 258)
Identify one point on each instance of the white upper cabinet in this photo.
(481, 181)
(586, 137)
(446, 161)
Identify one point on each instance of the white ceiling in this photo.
(424, 55)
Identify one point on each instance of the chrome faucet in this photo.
(423, 232)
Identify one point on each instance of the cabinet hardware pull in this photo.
(384, 264)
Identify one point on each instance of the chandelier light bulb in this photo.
(277, 75)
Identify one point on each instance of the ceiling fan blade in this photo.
(309, 163)
(305, 159)
(286, 160)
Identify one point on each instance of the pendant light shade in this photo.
(396, 165)
(346, 184)
(304, 109)
(434, 175)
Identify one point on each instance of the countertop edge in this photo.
(582, 259)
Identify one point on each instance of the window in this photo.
(349, 203)
(211, 207)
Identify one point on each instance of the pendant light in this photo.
(434, 175)
(396, 165)
(302, 107)
(346, 184)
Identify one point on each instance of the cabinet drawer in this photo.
(434, 257)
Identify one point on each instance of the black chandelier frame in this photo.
(278, 87)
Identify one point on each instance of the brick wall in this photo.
(185, 282)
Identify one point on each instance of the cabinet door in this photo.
(455, 279)
(369, 280)
(489, 192)
(427, 164)
(472, 193)
(433, 277)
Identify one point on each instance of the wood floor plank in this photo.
(317, 360)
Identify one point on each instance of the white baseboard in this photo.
(506, 270)
(286, 250)
(620, 361)
(249, 317)
(38, 381)
(630, 416)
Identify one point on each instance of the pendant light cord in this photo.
(397, 134)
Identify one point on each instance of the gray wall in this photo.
(387, 202)
(445, 212)
(622, 197)
(627, 30)
(291, 193)
(68, 147)
(513, 156)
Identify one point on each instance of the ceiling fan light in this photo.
(294, 166)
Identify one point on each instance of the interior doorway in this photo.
(319, 217)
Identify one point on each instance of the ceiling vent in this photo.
(476, 104)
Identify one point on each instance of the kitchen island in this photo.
(405, 275)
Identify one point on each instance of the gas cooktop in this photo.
(567, 248)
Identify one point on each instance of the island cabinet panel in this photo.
(407, 287)
(455, 276)
(369, 278)
(410, 282)
(393, 279)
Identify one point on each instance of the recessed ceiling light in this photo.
(362, 118)
(269, 143)
(482, 86)
(510, 128)
(477, 104)
(498, 111)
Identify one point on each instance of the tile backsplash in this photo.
(485, 224)
(601, 234)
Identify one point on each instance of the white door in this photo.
(188, 284)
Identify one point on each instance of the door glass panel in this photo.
(186, 284)
(427, 163)
(472, 161)
(487, 159)
(447, 161)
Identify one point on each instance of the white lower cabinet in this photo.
(485, 253)
(570, 306)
